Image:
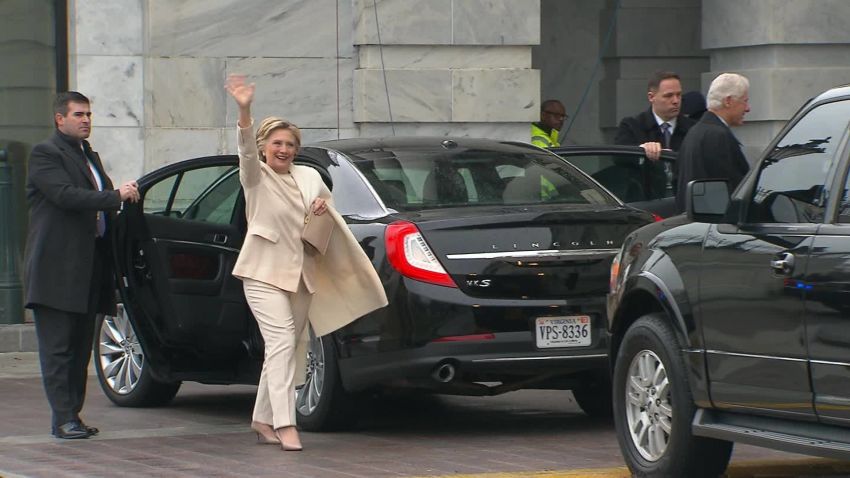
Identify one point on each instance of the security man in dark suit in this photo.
(68, 271)
(662, 126)
(711, 150)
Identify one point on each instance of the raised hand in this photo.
(240, 90)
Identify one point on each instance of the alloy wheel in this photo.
(649, 412)
(309, 395)
(119, 354)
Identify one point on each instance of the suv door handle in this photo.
(220, 238)
(783, 264)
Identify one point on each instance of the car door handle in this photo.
(220, 238)
(783, 264)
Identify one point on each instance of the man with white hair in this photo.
(710, 150)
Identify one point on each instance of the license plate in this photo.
(570, 331)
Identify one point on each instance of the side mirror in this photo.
(707, 200)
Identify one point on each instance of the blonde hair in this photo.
(269, 125)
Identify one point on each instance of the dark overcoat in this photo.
(64, 201)
(710, 151)
(642, 128)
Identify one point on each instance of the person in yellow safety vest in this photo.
(545, 132)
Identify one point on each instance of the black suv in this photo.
(731, 323)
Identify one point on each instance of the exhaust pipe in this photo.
(444, 373)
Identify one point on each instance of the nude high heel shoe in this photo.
(265, 434)
(294, 442)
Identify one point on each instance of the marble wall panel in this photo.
(170, 145)
(108, 28)
(757, 22)
(403, 22)
(502, 131)
(404, 56)
(495, 95)
(415, 95)
(260, 28)
(302, 90)
(780, 56)
(345, 28)
(187, 92)
(122, 151)
(114, 84)
(496, 22)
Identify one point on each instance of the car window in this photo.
(632, 178)
(796, 191)
(206, 194)
(421, 179)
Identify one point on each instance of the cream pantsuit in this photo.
(285, 285)
(282, 317)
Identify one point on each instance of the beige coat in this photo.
(345, 282)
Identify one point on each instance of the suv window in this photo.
(796, 191)
(630, 177)
(204, 194)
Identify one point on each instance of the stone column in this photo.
(649, 35)
(790, 50)
(452, 67)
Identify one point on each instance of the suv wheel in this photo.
(653, 407)
(120, 365)
(322, 404)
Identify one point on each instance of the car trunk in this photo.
(528, 252)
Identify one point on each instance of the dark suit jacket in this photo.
(60, 248)
(636, 130)
(710, 151)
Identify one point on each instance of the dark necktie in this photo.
(101, 217)
(666, 134)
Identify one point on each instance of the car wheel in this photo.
(321, 403)
(120, 365)
(653, 407)
(594, 396)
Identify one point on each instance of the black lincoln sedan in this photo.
(494, 256)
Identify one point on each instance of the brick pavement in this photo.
(205, 432)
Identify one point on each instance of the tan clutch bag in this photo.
(317, 231)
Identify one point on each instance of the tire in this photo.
(121, 367)
(653, 407)
(594, 397)
(322, 404)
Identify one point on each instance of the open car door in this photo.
(628, 174)
(174, 253)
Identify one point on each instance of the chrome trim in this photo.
(524, 359)
(532, 254)
(211, 246)
(827, 362)
(769, 357)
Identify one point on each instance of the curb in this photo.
(18, 338)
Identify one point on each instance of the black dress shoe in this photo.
(92, 430)
(71, 431)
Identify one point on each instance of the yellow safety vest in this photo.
(540, 138)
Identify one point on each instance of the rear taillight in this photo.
(615, 274)
(656, 217)
(411, 256)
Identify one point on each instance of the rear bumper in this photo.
(406, 349)
(509, 357)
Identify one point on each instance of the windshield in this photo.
(415, 179)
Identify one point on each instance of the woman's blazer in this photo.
(273, 255)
